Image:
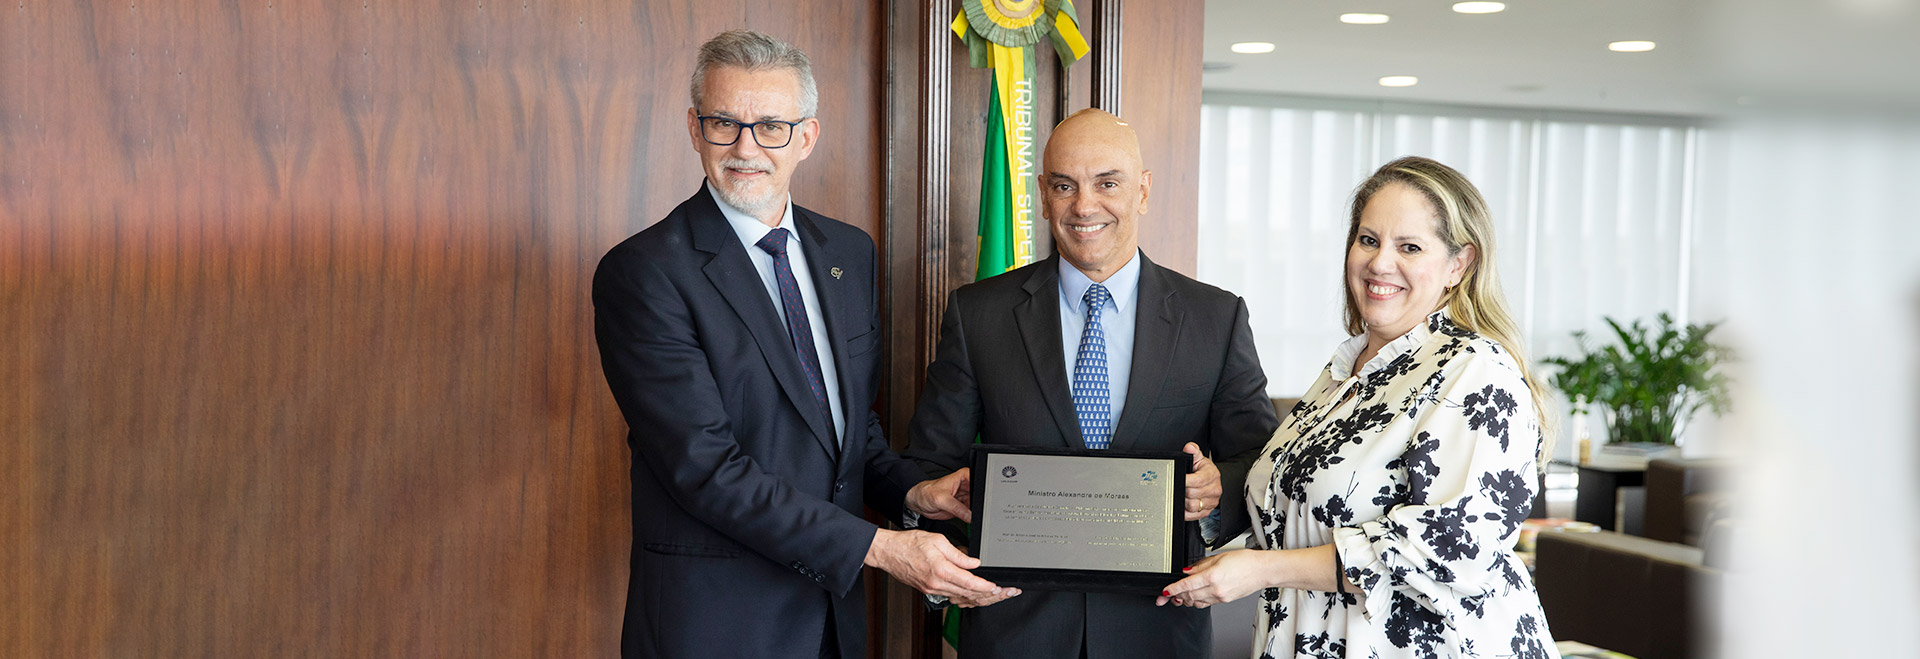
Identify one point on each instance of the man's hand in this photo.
(947, 497)
(930, 564)
(1203, 485)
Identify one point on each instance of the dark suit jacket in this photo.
(748, 534)
(999, 372)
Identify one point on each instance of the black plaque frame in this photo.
(1111, 581)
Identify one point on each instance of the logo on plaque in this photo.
(1008, 471)
(1149, 476)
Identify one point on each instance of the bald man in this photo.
(1097, 348)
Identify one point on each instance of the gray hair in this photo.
(753, 51)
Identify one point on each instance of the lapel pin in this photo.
(834, 271)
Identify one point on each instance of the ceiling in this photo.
(1713, 56)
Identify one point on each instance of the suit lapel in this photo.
(733, 274)
(821, 258)
(1039, 321)
(1156, 329)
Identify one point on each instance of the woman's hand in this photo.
(1224, 577)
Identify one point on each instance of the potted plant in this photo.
(1649, 383)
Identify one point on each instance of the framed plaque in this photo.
(1058, 519)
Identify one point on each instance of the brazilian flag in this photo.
(996, 202)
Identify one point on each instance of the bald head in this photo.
(1093, 191)
(1092, 129)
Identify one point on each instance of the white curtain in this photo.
(1591, 213)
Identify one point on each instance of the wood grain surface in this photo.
(1160, 61)
(297, 337)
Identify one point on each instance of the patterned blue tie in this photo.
(775, 243)
(1091, 397)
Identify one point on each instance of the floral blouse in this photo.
(1419, 470)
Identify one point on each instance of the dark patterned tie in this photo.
(1092, 400)
(775, 243)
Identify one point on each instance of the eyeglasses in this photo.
(769, 134)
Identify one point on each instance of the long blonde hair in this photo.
(1476, 303)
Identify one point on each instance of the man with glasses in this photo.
(740, 336)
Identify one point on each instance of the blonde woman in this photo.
(1385, 506)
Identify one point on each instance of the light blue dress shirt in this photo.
(1117, 319)
(750, 230)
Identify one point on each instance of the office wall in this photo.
(1160, 66)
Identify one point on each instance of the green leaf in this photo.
(1649, 381)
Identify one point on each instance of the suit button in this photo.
(839, 485)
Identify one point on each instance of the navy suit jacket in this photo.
(748, 527)
(999, 374)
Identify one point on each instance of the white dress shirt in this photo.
(751, 230)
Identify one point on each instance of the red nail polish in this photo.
(1186, 569)
(1164, 593)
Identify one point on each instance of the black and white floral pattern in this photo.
(1418, 467)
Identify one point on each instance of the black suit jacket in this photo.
(748, 531)
(999, 372)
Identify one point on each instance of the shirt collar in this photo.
(1343, 366)
(1121, 286)
(749, 228)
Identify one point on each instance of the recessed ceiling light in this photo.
(1630, 46)
(1363, 19)
(1399, 81)
(1252, 47)
(1479, 7)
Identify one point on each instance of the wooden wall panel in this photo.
(297, 337)
(1160, 64)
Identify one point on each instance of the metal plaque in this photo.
(1079, 520)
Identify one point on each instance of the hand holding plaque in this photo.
(947, 497)
(928, 563)
(1080, 520)
(1203, 485)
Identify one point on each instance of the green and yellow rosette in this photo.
(1000, 34)
(1018, 24)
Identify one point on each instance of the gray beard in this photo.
(751, 205)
